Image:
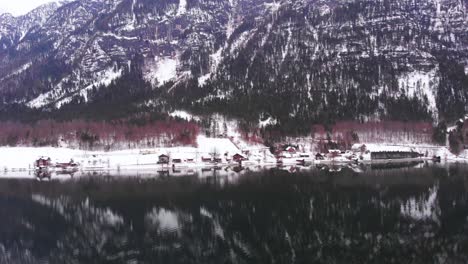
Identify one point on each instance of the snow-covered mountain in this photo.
(14, 29)
(349, 59)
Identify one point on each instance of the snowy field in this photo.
(22, 158)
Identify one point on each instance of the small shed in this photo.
(163, 159)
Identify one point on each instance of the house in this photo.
(163, 159)
(204, 159)
(238, 158)
(43, 162)
(333, 153)
(291, 150)
(287, 151)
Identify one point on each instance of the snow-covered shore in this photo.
(18, 160)
(22, 158)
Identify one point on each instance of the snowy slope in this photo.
(368, 55)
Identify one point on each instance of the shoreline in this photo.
(210, 153)
(22, 159)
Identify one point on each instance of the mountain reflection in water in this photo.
(398, 215)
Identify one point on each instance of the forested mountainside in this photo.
(301, 60)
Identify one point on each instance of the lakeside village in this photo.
(228, 153)
(212, 154)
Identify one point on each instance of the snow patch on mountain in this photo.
(324, 10)
(182, 7)
(105, 78)
(162, 71)
(41, 100)
(286, 47)
(184, 115)
(18, 71)
(215, 59)
(119, 37)
(58, 96)
(421, 84)
(240, 42)
(274, 7)
(270, 121)
(203, 79)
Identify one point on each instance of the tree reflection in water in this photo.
(405, 215)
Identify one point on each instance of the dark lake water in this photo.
(371, 215)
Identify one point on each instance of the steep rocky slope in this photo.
(306, 59)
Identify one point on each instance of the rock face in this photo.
(349, 59)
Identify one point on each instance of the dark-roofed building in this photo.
(163, 159)
(238, 158)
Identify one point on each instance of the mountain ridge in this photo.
(307, 59)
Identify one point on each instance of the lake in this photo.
(416, 213)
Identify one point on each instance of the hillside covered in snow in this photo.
(280, 60)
